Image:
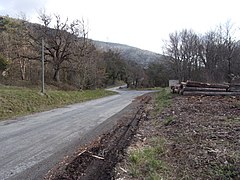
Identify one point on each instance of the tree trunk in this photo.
(23, 73)
(56, 76)
(136, 83)
(198, 93)
(205, 85)
(22, 63)
(204, 89)
(127, 82)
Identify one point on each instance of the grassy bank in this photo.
(163, 99)
(147, 89)
(16, 101)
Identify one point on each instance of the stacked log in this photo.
(204, 93)
(204, 89)
(198, 88)
(175, 88)
(234, 87)
(205, 85)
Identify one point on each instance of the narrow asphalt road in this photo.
(31, 144)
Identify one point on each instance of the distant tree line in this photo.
(210, 57)
(71, 59)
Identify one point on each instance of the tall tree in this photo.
(208, 57)
(182, 50)
(115, 66)
(61, 40)
(16, 43)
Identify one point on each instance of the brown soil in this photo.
(202, 138)
(98, 159)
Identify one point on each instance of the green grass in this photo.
(168, 121)
(17, 101)
(148, 162)
(163, 99)
(145, 163)
(147, 89)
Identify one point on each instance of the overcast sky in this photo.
(140, 23)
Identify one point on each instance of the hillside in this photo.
(69, 58)
(129, 53)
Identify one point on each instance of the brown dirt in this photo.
(98, 159)
(202, 138)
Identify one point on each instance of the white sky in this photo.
(140, 23)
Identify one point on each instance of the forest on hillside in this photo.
(71, 59)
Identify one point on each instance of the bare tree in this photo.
(209, 57)
(115, 66)
(182, 50)
(230, 46)
(61, 41)
(16, 46)
(173, 52)
(216, 53)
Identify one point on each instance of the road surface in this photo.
(30, 145)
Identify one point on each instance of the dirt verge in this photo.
(202, 139)
(98, 159)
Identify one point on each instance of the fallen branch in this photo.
(79, 154)
(123, 169)
(98, 157)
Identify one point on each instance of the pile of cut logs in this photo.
(192, 88)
